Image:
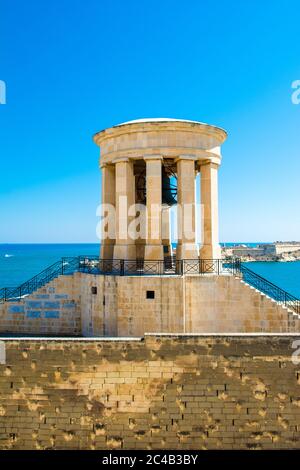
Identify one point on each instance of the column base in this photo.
(168, 250)
(154, 252)
(168, 256)
(187, 251)
(126, 252)
(210, 251)
(140, 250)
(107, 251)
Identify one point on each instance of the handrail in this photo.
(94, 265)
(269, 288)
(39, 280)
(139, 267)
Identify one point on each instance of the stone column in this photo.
(109, 198)
(154, 247)
(209, 201)
(165, 229)
(186, 247)
(140, 241)
(125, 197)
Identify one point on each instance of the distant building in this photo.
(262, 250)
(279, 248)
(247, 251)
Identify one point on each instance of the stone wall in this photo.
(280, 248)
(226, 304)
(92, 305)
(52, 310)
(160, 392)
(191, 304)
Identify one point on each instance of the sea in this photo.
(20, 262)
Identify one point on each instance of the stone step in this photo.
(262, 294)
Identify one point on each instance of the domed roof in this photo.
(146, 125)
(164, 119)
(161, 119)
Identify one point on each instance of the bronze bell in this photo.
(169, 189)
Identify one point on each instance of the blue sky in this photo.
(74, 67)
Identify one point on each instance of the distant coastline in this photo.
(278, 251)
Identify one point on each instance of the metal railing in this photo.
(268, 288)
(64, 266)
(139, 267)
(168, 266)
(94, 265)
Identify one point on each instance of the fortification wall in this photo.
(160, 392)
(286, 248)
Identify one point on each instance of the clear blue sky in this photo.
(73, 67)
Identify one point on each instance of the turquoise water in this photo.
(284, 275)
(18, 263)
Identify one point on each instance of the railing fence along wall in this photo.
(268, 288)
(140, 267)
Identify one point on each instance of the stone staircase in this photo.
(52, 309)
(288, 320)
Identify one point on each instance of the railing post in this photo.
(121, 267)
(62, 265)
(237, 267)
(234, 266)
(179, 267)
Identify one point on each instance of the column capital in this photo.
(212, 163)
(120, 160)
(185, 157)
(152, 157)
(104, 165)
